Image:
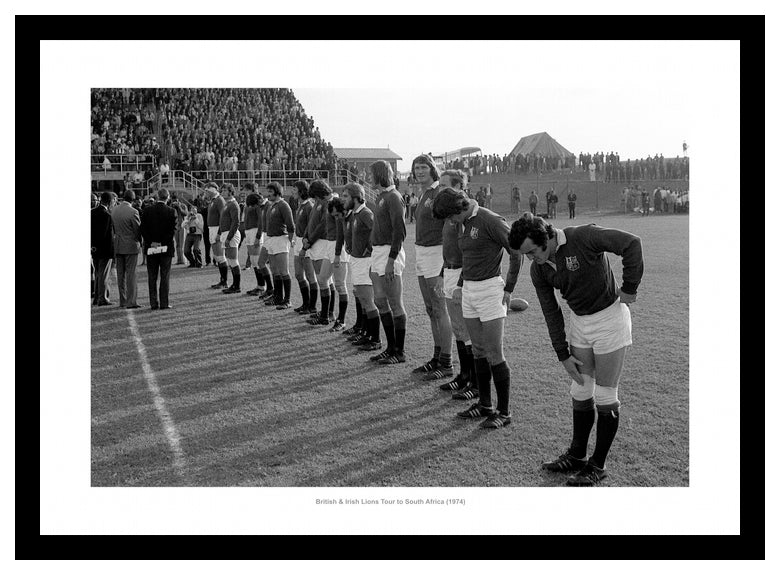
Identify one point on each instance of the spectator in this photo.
(412, 206)
(533, 199)
(127, 229)
(181, 212)
(102, 237)
(194, 226)
(572, 199)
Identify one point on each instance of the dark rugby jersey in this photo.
(302, 217)
(361, 224)
(389, 226)
(450, 248)
(252, 215)
(584, 276)
(342, 231)
(315, 228)
(228, 221)
(428, 229)
(262, 214)
(279, 219)
(330, 227)
(216, 207)
(484, 238)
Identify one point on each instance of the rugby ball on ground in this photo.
(518, 304)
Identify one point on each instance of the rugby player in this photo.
(213, 218)
(484, 297)
(428, 264)
(304, 269)
(263, 258)
(280, 230)
(574, 260)
(340, 260)
(464, 385)
(388, 260)
(361, 222)
(316, 242)
(229, 238)
(252, 228)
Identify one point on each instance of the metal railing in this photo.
(121, 162)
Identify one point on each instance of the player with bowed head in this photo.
(574, 261)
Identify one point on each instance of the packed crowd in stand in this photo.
(123, 123)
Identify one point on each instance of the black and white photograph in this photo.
(397, 290)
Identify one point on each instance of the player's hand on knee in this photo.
(457, 295)
(570, 365)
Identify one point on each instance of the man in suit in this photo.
(158, 226)
(127, 244)
(102, 247)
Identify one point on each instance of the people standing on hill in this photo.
(533, 199)
(553, 204)
(572, 199)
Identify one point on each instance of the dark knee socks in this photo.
(484, 375)
(399, 330)
(583, 417)
(389, 327)
(606, 428)
(501, 376)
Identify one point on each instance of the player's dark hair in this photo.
(253, 199)
(335, 204)
(428, 161)
(250, 187)
(381, 173)
(449, 202)
(303, 189)
(319, 189)
(229, 187)
(532, 227)
(275, 187)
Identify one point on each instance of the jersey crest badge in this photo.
(474, 233)
(572, 264)
(428, 203)
(382, 202)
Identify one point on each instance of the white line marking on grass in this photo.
(159, 403)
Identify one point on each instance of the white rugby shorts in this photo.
(360, 268)
(251, 236)
(319, 250)
(428, 261)
(277, 244)
(605, 331)
(483, 300)
(236, 239)
(298, 246)
(379, 257)
(213, 234)
(451, 278)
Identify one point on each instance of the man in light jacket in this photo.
(127, 244)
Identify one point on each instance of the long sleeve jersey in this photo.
(484, 238)
(330, 227)
(584, 276)
(228, 221)
(252, 214)
(302, 217)
(280, 219)
(450, 248)
(389, 226)
(361, 221)
(428, 229)
(216, 208)
(315, 228)
(262, 216)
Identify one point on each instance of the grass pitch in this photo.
(260, 398)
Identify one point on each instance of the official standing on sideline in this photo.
(127, 244)
(102, 239)
(574, 261)
(158, 226)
